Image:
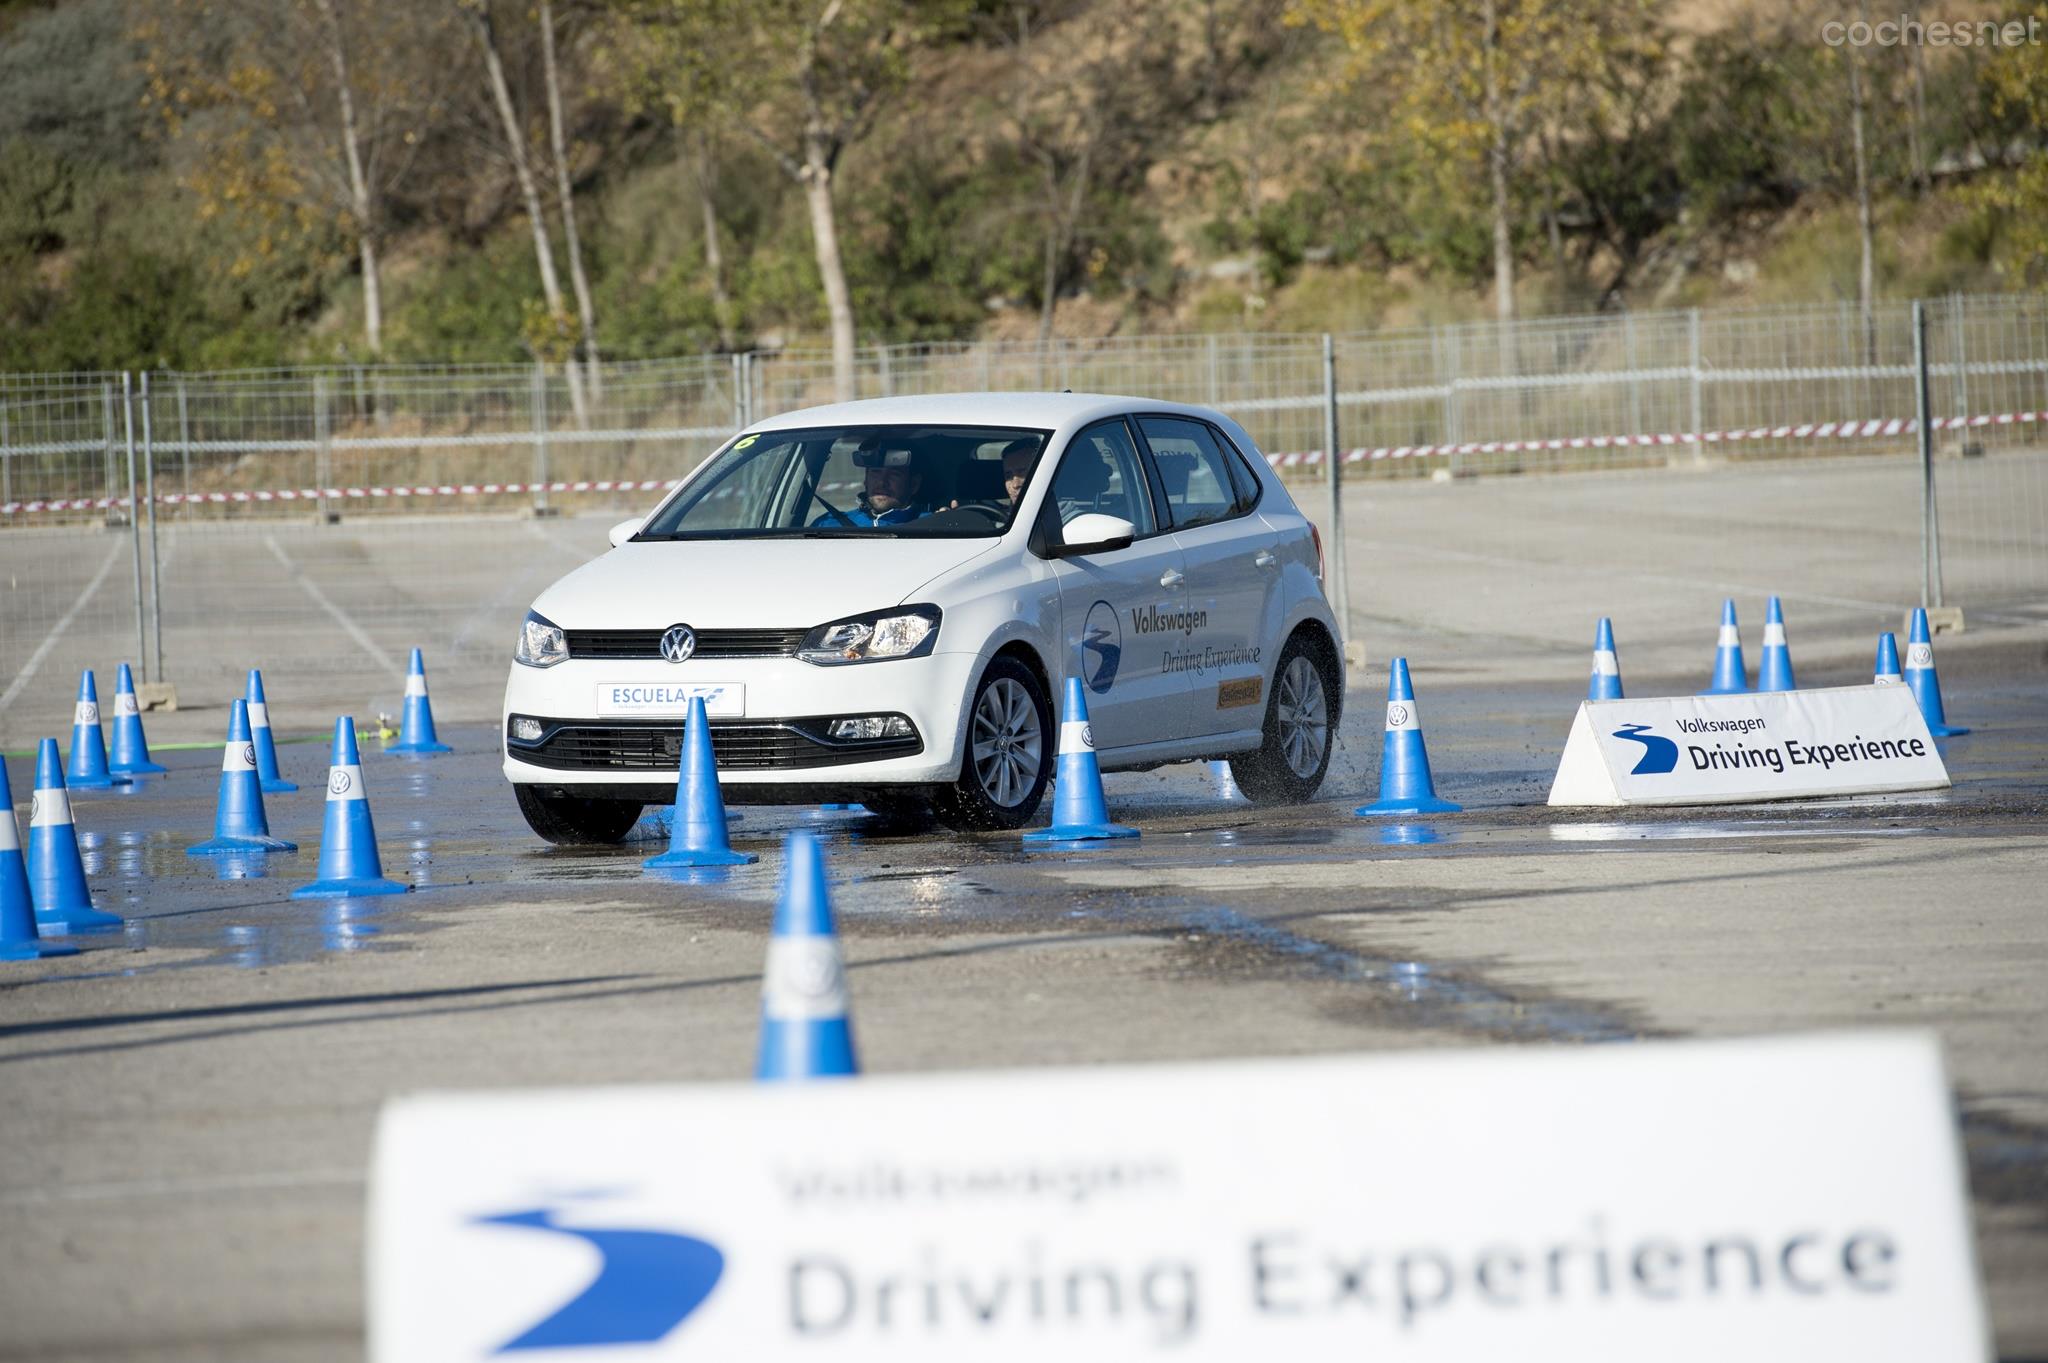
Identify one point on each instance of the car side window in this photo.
(1246, 481)
(1101, 473)
(1193, 470)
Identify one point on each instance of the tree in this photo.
(564, 188)
(306, 108)
(1468, 77)
(805, 79)
(2017, 81)
(544, 333)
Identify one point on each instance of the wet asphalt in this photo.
(205, 1076)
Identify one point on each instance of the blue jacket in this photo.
(862, 518)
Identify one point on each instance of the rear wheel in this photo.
(1301, 725)
(1009, 754)
(573, 821)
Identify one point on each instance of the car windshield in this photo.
(857, 481)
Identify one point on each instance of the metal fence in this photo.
(1662, 397)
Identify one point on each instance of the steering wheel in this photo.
(995, 515)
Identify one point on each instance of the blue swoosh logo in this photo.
(1659, 754)
(648, 1283)
(1105, 641)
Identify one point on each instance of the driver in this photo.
(888, 493)
(1017, 457)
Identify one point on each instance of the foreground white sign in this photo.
(1773, 745)
(1765, 1200)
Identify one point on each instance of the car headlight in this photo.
(906, 632)
(541, 642)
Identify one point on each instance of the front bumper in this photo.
(780, 738)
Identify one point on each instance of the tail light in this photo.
(1317, 536)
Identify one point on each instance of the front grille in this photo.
(736, 745)
(711, 643)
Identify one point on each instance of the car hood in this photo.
(748, 584)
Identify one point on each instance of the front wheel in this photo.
(572, 821)
(1300, 729)
(1009, 754)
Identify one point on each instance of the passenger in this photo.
(888, 492)
(1017, 456)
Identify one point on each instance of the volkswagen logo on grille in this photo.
(678, 643)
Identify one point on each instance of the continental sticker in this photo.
(1232, 695)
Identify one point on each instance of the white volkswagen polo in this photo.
(879, 602)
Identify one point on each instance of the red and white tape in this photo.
(1806, 431)
(1819, 430)
(335, 494)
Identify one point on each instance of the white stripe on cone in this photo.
(1605, 663)
(1887, 679)
(415, 684)
(124, 704)
(1401, 715)
(88, 712)
(1077, 735)
(49, 809)
(259, 715)
(345, 783)
(1919, 656)
(10, 835)
(1731, 637)
(238, 757)
(805, 980)
(1774, 634)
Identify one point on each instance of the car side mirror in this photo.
(625, 530)
(1094, 533)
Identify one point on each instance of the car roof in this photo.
(1040, 411)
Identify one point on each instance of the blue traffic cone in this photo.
(416, 729)
(348, 842)
(805, 1033)
(267, 775)
(87, 769)
(1887, 662)
(238, 821)
(1731, 678)
(1079, 811)
(56, 868)
(1405, 784)
(1606, 682)
(131, 748)
(1774, 673)
(1921, 676)
(698, 836)
(19, 940)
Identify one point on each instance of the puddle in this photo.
(1449, 1001)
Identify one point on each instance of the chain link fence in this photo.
(240, 474)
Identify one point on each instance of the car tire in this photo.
(1300, 730)
(1009, 753)
(571, 821)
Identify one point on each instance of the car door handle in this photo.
(1265, 558)
(1171, 578)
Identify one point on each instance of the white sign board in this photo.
(1772, 745)
(1789, 1199)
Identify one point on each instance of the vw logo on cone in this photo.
(678, 643)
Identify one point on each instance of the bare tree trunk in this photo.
(522, 169)
(1866, 277)
(1918, 125)
(1497, 174)
(714, 254)
(586, 311)
(1049, 286)
(361, 204)
(817, 178)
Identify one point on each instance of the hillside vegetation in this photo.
(206, 183)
